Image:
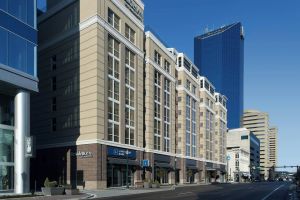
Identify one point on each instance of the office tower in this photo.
(219, 55)
(89, 115)
(258, 123)
(244, 139)
(18, 39)
(273, 144)
(160, 94)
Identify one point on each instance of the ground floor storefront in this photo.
(98, 166)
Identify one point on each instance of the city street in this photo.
(251, 191)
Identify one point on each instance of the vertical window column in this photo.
(188, 125)
(113, 89)
(167, 84)
(157, 104)
(129, 96)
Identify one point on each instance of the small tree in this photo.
(189, 174)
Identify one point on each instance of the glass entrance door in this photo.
(6, 158)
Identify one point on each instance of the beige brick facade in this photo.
(109, 90)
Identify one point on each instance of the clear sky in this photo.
(272, 53)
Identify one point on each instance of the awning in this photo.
(210, 169)
(122, 161)
(162, 165)
(192, 167)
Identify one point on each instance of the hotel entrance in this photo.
(116, 175)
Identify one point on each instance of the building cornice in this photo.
(160, 69)
(127, 12)
(96, 19)
(181, 87)
(150, 35)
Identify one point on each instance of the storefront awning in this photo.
(192, 167)
(210, 169)
(122, 161)
(163, 165)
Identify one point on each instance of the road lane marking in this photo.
(266, 197)
(184, 193)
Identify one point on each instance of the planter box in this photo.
(72, 191)
(53, 191)
(147, 185)
(155, 185)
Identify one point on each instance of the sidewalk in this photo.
(39, 196)
(111, 192)
(90, 194)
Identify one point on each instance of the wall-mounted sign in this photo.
(83, 154)
(145, 163)
(135, 9)
(121, 153)
(29, 147)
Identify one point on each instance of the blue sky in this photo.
(272, 53)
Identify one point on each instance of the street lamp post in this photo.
(175, 160)
(127, 186)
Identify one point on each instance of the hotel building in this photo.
(88, 119)
(210, 125)
(113, 96)
(18, 80)
(190, 163)
(160, 94)
(220, 130)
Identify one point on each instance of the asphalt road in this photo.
(245, 191)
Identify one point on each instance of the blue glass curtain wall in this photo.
(17, 52)
(20, 9)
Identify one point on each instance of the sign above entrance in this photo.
(83, 154)
(121, 153)
(145, 163)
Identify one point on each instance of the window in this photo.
(129, 136)
(194, 89)
(157, 78)
(156, 134)
(54, 83)
(167, 66)
(54, 104)
(167, 85)
(157, 57)
(53, 63)
(113, 19)
(244, 137)
(130, 58)
(129, 33)
(53, 124)
(157, 110)
(113, 132)
(188, 84)
(113, 89)
(129, 96)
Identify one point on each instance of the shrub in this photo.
(48, 183)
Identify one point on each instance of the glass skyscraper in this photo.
(219, 55)
(18, 40)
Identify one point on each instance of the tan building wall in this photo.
(160, 93)
(220, 127)
(258, 123)
(76, 38)
(273, 143)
